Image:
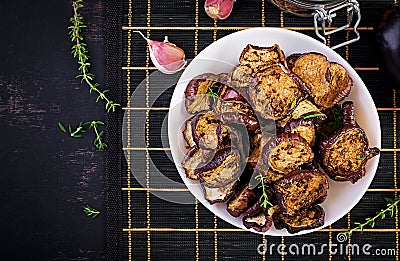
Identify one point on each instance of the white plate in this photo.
(221, 56)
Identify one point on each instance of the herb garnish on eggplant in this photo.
(342, 149)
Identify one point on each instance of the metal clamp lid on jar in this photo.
(323, 12)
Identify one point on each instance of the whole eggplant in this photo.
(388, 40)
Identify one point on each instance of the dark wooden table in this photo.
(46, 177)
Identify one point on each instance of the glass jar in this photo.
(323, 12)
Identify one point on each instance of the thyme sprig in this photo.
(98, 141)
(213, 91)
(264, 197)
(91, 212)
(80, 129)
(391, 207)
(80, 52)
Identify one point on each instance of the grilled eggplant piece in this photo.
(329, 82)
(271, 176)
(241, 76)
(257, 143)
(220, 194)
(299, 190)
(196, 98)
(188, 133)
(346, 152)
(233, 108)
(241, 201)
(275, 92)
(303, 109)
(304, 127)
(225, 167)
(259, 58)
(208, 132)
(308, 218)
(257, 207)
(193, 159)
(260, 222)
(287, 153)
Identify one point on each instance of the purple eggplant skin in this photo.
(388, 40)
(265, 161)
(254, 225)
(219, 159)
(348, 114)
(308, 123)
(279, 223)
(256, 207)
(228, 191)
(354, 175)
(244, 114)
(251, 123)
(196, 137)
(297, 176)
(192, 89)
(349, 125)
(227, 93)
(241, 201)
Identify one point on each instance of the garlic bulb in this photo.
(166, 57)
(219, 9)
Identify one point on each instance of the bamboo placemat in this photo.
(144, 227)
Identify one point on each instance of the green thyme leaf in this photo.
(293, 104)
(359, 158)
(314, 116)
(62, 127)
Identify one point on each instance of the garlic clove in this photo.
(219, 9)
(166, 57)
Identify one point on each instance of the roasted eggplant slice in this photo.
(196, 98)
(241, 201)
(257, 206)
(272, 176)
(308, 218)
(299, 190)
(250, 122)
(304, 109)
(329, 82)
(346, 152)
(220, 194)
(241, 76)
(233, 108)
(259, 58)
(260, 222)
(287, 153)
(193, 159)
(257, 143)
(275, 92)
(225, 167)
(188, 133)
(208, 132)
(304, 127)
